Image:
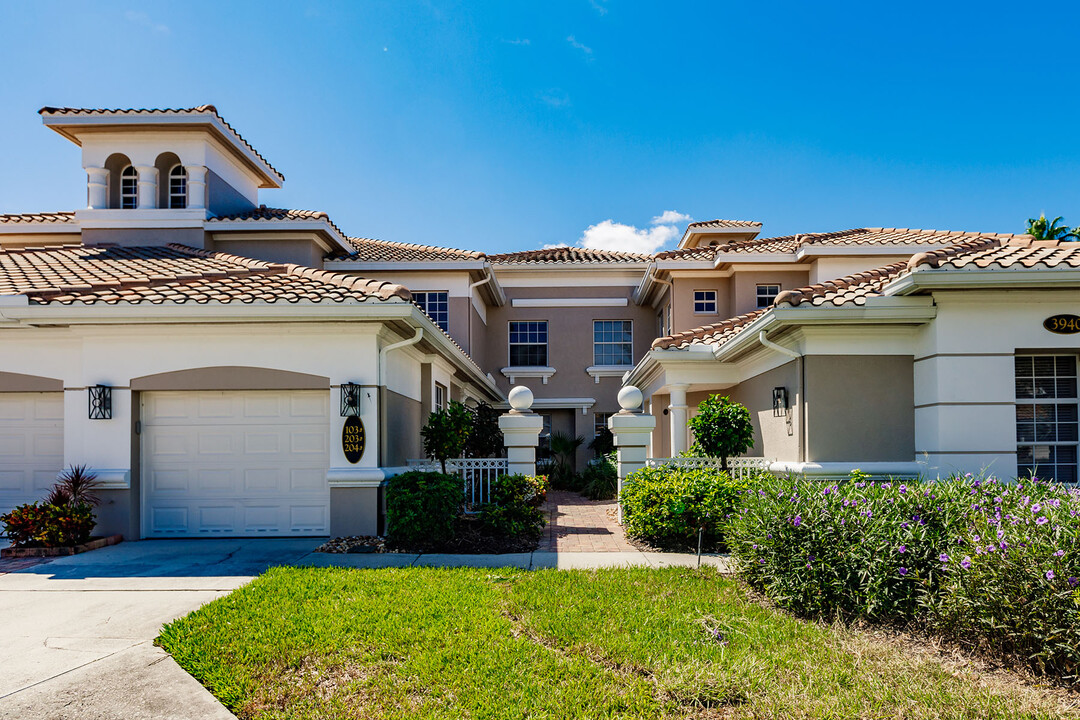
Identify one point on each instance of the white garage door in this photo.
(219, 464)
(31, 446)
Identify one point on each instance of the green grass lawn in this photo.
(628, 643)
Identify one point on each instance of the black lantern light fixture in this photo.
(350, 400)
(779, 402)
(100, 402)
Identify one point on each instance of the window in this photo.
(544, 443)
(528, 344)
(613, 342)
(129, 188)
(437, 307)
(1046, 417)
(670, 325)
(178, 187)
(600, 423)
(766, 294)
(440, 397)
(705, 302)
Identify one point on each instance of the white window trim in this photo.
(133, 195)
(526, 371)
(430, 292)
(626, 367)
(174, 196)
(715, 301)
(599, 371)
(757, 295)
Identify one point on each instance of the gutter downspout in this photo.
(382, 388)
(763, 338)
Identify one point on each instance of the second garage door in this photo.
(31, 446)
(219, 464)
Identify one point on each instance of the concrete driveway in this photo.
(77, 633)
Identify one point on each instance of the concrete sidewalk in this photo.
(77, 632)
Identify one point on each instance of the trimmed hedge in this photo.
(422, 508)
(665, 506)
(514, 509)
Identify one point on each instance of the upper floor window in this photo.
(613, 342)
(528, 343)
(1046, 417)
(436, 305)
(129, 188)
(440, 397)
(705, 302)
(178, 187)
(766, 294)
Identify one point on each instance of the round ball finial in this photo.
(630, 398)
(521, 398)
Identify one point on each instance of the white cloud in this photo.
(517, 41)
(578, 45)
(610, 235)
(598, 6)
(671, 217)
(555, 97)
(554, 246)
(141, 18)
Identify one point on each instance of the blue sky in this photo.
(511, 125)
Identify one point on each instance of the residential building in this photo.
(206, 355)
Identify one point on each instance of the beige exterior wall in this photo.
(682, 296)
(775, 438)
(743, 286)
(144, 237)
(832, 268)
(860, 408)
(402, 420)
(17, 240)
(300, 251)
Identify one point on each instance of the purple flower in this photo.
(904, 525)
(1059, 553)
(902, 571)
(943, 558)
(902, 549)
(761, 560)
(1073, 581)
(966, 562)
(903, 489)
(811, 558)
(1036, 508)
(797, 521)
(1049, 574)
(1042, 520)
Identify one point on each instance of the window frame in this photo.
(424, 306)
(439, 399)
(715, 301)
(630, 343)
(133, 196)
(510, 344)
(1059, 380)
(180, 196)
(600, 423)
(758, 295)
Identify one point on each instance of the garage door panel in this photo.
(31, 446)
(248, 465)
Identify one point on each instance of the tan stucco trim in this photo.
(17, 382)
(230, 378)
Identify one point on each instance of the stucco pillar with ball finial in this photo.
(632, 431)
(521, 432)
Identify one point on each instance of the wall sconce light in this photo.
(350, 400)
(779, 402)
(100, 402)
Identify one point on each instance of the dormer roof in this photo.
(718, 232)
(73, 123)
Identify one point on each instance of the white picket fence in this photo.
(738, 468)
(477, 476)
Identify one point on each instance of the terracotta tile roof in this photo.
(371, 250)
(725, 224)
(265, 214)
(201, 109)
(566, 254)
(698, 253)
(1020, 252)
(174, 274)
(40, 218)
(856, 236)
(714, 334)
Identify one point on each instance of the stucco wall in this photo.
(860, 408)
(144, 237)
(402, 421)
(743, 287)
(300, 251)
(775, 438)
(223, 198)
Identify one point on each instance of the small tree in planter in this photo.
(486, 439)
(446, 433)
(722, 428)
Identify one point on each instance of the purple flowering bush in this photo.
(1015, 586)
(993, 564)
(859, 548)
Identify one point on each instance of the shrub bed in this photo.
(991, 564)
(49, 526)
(665, 506)
(422, 508)
(514, 510)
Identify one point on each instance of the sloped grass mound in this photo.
(627, 643)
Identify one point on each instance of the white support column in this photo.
(196, 186)
(148, 180)
(97, 188)
(677, 410)
(521, 432)
(632, 433)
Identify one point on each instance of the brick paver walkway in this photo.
(576, 524)
(8, 565)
